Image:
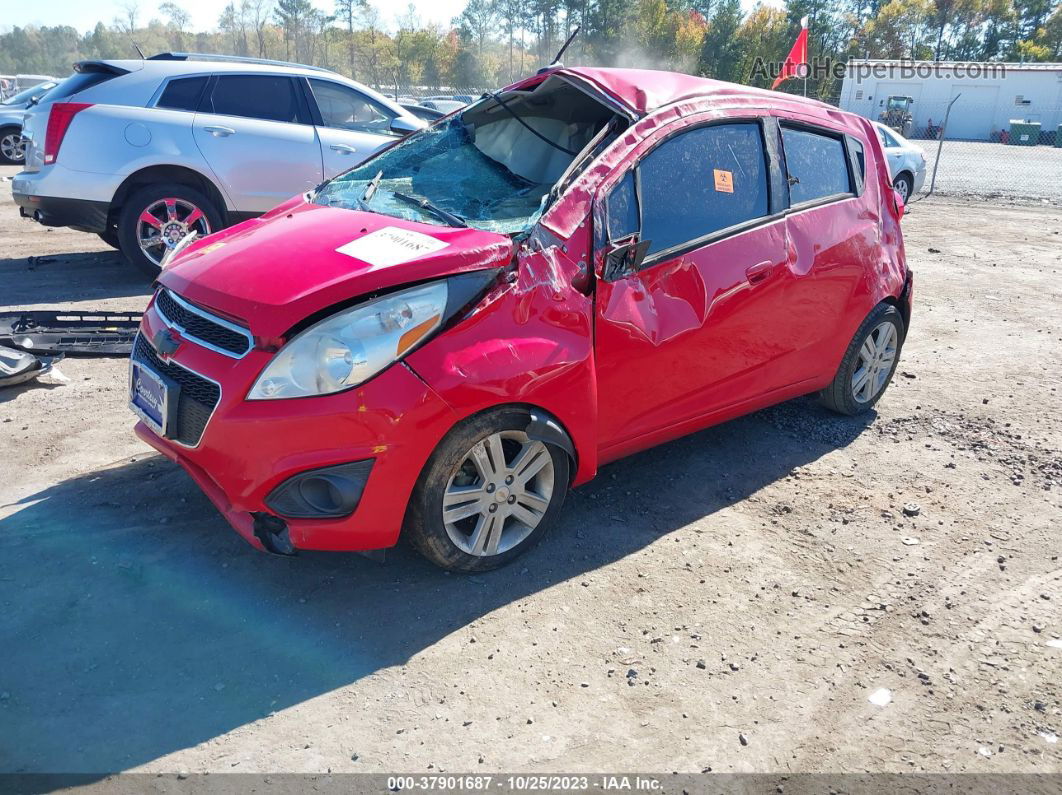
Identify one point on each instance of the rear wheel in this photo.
(868, 364)
(154, 219)
(12, 146)
(487, 494)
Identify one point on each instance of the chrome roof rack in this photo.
(206, 56)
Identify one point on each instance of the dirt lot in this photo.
(757, 580)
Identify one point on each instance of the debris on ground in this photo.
(71, 332)
(880, 697)
(18, 367)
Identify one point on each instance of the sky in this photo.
(84, 16)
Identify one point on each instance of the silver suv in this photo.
(144, 152)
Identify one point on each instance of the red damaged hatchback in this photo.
(444, 340)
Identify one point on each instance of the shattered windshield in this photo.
(490, 167)
(442, 165)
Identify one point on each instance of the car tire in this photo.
(188, 204)
(905, 185)
(868, 364)
(110, 237)
(11, 146)
(470, 514)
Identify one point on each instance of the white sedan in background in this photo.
(907, 162)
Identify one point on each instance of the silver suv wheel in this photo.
(165, 222)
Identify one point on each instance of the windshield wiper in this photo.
(370, 191)
(424, 204)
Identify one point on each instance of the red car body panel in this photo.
(738, 324)
(274, 271)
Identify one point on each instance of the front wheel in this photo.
(868, 364)
(487, 494)
(155, 218)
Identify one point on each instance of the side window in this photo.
(346, 109)
(817, 165)
(266, 97)
(701, 181)
(623, 209)
(183, 93)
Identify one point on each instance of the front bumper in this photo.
(248, 448)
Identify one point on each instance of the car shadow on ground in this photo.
(136, 623)
(61, 278)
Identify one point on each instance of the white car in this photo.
(907, 162)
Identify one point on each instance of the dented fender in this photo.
(528, 342)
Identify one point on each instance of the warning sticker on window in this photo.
(724, 180)
(391, 246)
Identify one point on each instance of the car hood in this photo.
(301, 258)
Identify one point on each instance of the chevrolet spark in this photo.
(439, 343)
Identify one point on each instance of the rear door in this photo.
(255, 133)
(835, 238)
(700, 324)
(350, 125)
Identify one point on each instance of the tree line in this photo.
(493, 42)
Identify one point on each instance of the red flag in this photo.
(798, 56)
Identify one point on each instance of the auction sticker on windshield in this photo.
(391, 246)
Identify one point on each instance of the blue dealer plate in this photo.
(149, 397)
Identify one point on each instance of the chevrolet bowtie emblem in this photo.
(166, 341)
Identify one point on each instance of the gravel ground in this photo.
(996, 171)
(734, 601)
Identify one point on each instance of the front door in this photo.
(699, 324)
(254, 132)
(350, 125)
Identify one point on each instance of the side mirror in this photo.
(404, 126)
(625, 259)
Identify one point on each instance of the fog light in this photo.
(329, 492)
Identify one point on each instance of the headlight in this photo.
(352, 346)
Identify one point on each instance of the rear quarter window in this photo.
(816, 163)
(182, 93)
(78, 82)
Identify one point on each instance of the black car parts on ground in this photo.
(31, 342)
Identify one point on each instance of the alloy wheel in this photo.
(164, 223)
(902, 188)
(498, 494)
(876, 358)
(13, 147)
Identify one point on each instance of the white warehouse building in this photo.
(990, 95)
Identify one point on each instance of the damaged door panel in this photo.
(701, 318)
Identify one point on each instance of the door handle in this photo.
(219, 132)
(343, 149)
(758, 272)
